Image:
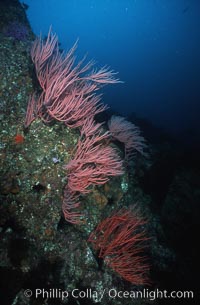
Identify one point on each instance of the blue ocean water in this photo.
(154, 45)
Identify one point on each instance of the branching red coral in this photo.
(94, 162)
(120, 240)
(127, 133)
(69, 88)
(70, 205)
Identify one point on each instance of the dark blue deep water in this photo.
(154, 45)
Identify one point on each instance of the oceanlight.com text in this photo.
(112, 293)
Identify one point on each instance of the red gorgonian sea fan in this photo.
(128, 134)
(68, 88)
(93, 164)
(121, 241)
(94, 161)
